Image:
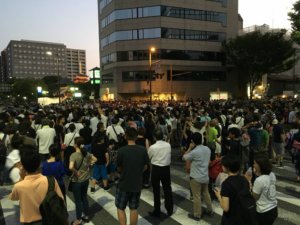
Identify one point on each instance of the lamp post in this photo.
(151, 50)
(58, 77)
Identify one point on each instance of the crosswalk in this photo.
(103, 210)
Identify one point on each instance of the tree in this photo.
(255, 54)
(26, 87)
(294, 17)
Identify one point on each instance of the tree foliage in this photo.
(255, 54)
(294, 17)
(26, 87)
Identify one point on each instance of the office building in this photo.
(36, 59)
(185, 37)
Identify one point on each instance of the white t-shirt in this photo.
(265, 187)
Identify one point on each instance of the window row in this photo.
(168, 33)
(38, 47)
(223, 2)
(103, 4)
(167, 11)
(178, 75)
(162, 54)
(131, 35)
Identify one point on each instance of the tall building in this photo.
(186, 38)
(36, 59)
(76, 62)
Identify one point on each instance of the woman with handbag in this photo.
(80, 162)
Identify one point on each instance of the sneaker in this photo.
(146, 185)
(155, 214)
(106, 188)
(191, 216)
(93, 190)
(85, 219)
(209, 213)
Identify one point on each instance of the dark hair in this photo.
(158, 134)
(54, 151)
(264, 164)
(141, 131)
(72, 127)
(131, 133)
(16, 141)
(235, 131)
(197, 138)
(79, 141)
(231, 162)
(30, 158)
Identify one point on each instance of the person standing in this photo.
(160, 156)
(199, 156)
(264, 191)
(278, 139)
(80, 162)
(32, 188)
(44, 138)
(132, 160)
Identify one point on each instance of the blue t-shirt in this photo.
(56, 169)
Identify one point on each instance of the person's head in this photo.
(196, 138)
(16, 141)
(100, 126)
(141, 131)
(86, 123)
(131, 134)
(45, 122)
(231, 163)
(262, 165)
(72, 127)
(234, 132)
(30, 158)
(79, 143)
(54, 151)
(158, 134)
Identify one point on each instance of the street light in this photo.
(151, 50)
(58, 77)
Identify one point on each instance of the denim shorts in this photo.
(124, 198)
(112, 167)
(100, 171)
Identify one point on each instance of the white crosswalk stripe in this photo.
(107, 202)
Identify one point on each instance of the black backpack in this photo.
(245, 205)
(3, 151)
(53, 209)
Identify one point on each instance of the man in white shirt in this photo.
(45, 138)
(160, 157)
(114, 130)
(94, 122)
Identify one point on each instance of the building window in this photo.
(135, 76)
(197, 75)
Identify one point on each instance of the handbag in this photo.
(71, 183)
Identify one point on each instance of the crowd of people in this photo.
(228, 147)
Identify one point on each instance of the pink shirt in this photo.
(31, 192)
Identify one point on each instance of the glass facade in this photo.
(168, 33)
(103, 4)
(129, 76)
(167, 11)
(196, 75)
(137, 55)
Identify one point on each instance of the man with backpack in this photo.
(47, 195)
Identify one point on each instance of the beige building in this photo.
(187, 37)
(76, 62)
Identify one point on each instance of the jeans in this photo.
(199, 190)
(162, 174)
(80, 196)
